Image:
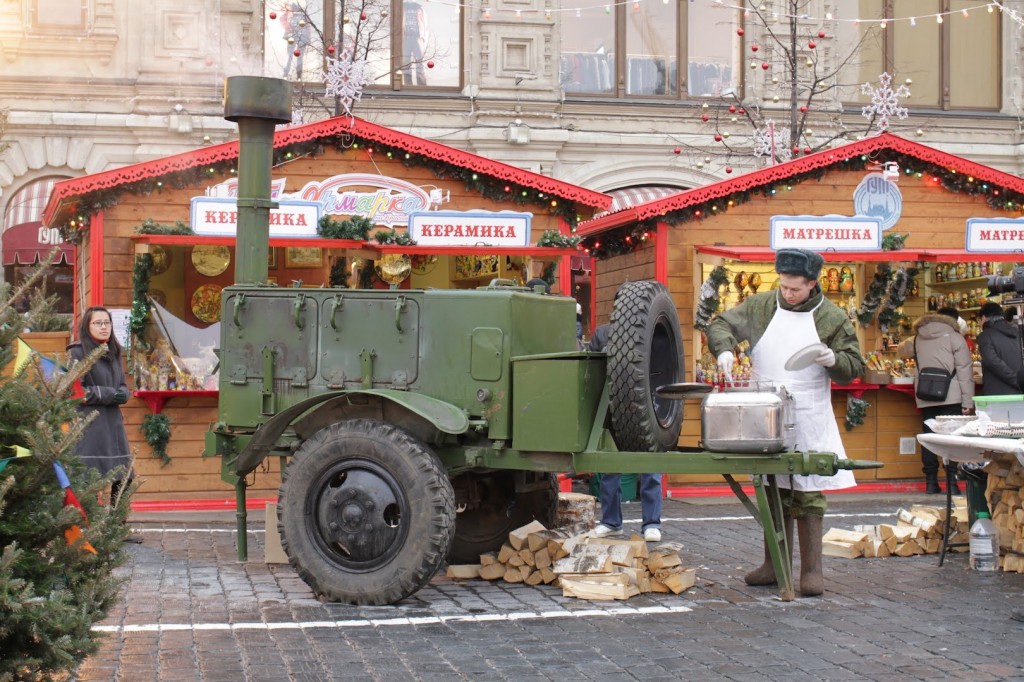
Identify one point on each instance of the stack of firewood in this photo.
(1004, 493)
(582, 565)
(917, 530)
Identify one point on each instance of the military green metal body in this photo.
(489, 380)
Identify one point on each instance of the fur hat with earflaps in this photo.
(798, 262)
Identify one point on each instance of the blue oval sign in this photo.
(878, 198)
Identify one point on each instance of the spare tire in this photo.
(645, 351)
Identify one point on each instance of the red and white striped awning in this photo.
(28, 203)
(633, 196)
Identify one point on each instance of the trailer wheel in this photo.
(366, 513)
(645, 351)
(484, 528)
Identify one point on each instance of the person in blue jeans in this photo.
(611, 492)
(611, 506)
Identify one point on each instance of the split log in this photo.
(517, 537)
(464, 571)
(576, 508)
(492, 571)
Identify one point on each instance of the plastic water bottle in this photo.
(984, 544)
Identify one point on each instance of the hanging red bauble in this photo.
(739, 31)
(728, 169)
(743, 111)
(330, 49)
(807, 150)
(704, 117)
(272, 15)
(821, 34)
(803, 109)
(812, 44)
(362, 17)
(753, 48)
(795, 150)
(430, 64)
(297, 52)
(718, 138)
(677, 150)
(765, 65)
(732, 109)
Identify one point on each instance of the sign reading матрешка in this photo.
(470, 228)
(826, 233)
(995, 235)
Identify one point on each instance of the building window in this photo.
(405, 43)
(635, 49)
(954, 64)
(59, 15)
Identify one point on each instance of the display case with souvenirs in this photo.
(473, 271)
(174, 355)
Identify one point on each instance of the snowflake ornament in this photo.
(885, 102)
(345, 79)
(769, 137)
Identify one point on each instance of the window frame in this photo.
(945, 58)
(40, 26)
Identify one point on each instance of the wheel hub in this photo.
(359, 516)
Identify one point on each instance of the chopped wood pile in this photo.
(1004, 493)
(917, 530)
(584, 566)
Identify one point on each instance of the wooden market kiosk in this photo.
(343, 168)
(951, 210)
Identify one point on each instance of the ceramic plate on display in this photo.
(206, 303)
(688, 390)
(161, 258)
(211, 260)
(804, 358)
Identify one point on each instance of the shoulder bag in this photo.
(932, 382)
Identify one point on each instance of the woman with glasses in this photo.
(104, 445)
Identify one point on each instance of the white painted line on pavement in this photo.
(690, 519)
(390, 622)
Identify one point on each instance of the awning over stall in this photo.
(26, 243)
(763, 253)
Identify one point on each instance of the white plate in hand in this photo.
(805, 357)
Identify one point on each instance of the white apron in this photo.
(816, 427)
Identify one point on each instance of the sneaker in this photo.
(652, 535)
(603, 531)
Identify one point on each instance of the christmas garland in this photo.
(894, 241)
(856, 410)
(393, 236)
(156, 428)
(140, 295)
(709, 298)
(874, 295)
(901, 285)
(150, 227)
(555, 239)
(356, 227)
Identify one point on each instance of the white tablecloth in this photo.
(971, 448)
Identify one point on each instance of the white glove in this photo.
(725, 362)
(827, 358)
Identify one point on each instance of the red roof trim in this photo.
(65, 191)
(784, 171)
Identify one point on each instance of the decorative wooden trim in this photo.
(96, 259)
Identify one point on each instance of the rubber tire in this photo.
(645, 351)
(423, 483)
(486, 528)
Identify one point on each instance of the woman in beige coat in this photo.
(937, 343)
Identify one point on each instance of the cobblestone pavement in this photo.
(193, 612)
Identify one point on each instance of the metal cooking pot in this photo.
(748, 419)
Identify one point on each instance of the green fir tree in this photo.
(53, 589)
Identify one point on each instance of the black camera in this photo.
(1001, 284)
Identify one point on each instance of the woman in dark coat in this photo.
(104, 446)
(999, 343)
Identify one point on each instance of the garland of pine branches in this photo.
(709, 297)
